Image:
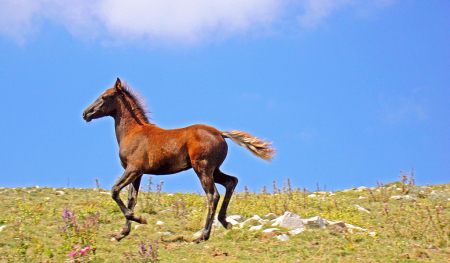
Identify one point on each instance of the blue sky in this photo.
(350, 92)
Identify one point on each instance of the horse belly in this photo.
(168, 165)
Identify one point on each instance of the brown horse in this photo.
(145, 148)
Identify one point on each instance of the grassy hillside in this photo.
(44, 225)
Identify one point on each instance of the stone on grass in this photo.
(256, 227)
(312, 195)
(238, 218)
(402, 197)
(160, 223)
(60, 192)
(268, 230)
(297, 230)
(256, 219)
(362, 209)
(105, 193)
(316, 221)
(231, 221)
(289, 220)
(270, 216)
(337, 223)
(2, 227)
(136, 227)
(361, 188)
(167, 233)
(283, 237)
(198, 234)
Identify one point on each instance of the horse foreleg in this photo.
(128, 177)
(229, 182)
(212, 196)
(132, 200)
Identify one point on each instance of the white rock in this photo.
(283, 237)
(198, 234)
(337, 223)
(60, 192)
(216, 224)
(47, 198)
(255, 217)
(289, 220)
(251, 220)
(169, 194)
(352, 227)
(312, 195)
(231, 221)
(167, 233)
(238, 218)
(361, 188)
(315, 221)
(360, 208)
(402, 197)
(268, 230)
(331, 194)
(2, 227)
(256, 227)
(136, 227)
(160, 223)
(95, 189)
(105, 193)
(270, 216)
(362, 197)
(37, 186)
(297, 230)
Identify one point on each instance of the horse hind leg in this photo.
(212, 195)
(229, 182)
(132, 200)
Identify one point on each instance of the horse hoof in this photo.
(200, 239)
(117, 237)
(143, 220)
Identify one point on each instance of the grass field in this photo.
(44, 225)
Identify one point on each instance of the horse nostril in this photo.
(84, 115)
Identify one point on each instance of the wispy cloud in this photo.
(315, 11)
(176, 21)
(403, 109)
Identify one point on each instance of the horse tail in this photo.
(257, 146)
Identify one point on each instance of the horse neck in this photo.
(125, 120)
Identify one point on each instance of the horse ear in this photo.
(118, 85)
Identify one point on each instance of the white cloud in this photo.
(408, 109)
(315, 11)
(180, 21)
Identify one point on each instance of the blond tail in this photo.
(258, 147)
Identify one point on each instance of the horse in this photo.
(145, 148)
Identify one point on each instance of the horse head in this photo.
(104, 105)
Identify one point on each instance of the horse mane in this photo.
(139, 107)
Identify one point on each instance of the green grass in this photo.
(406, 230)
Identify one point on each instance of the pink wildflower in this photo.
(84, 250)
(73, 254)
